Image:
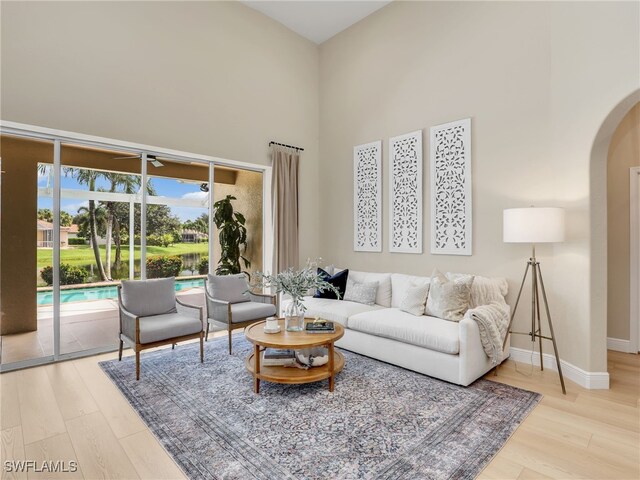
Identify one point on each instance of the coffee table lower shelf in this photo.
(293, 375)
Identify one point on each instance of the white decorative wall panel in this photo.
(450, 169)
(367, 197)
(405, 193)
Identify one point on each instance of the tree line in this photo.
(110, 220)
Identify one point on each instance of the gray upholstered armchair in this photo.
(230, 302)
(151, 315)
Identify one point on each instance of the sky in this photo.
(165, 187)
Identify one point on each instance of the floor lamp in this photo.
(534, 225)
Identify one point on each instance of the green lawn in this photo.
(83, 254)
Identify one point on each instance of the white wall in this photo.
(538, 79)
(214, 78)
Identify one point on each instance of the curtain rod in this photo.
(285, 145)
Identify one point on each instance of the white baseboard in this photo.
(619, 345)
(590, 380)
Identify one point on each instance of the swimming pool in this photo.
(105, 292)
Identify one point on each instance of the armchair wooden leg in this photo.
(137, 364)
(120, 350)
(206, 336)
(229, 328)
(202, 347)
(173, 346)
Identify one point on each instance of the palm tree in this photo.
(88, 177)
(130, 184)
(95, 227)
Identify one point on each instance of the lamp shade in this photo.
(533, 225)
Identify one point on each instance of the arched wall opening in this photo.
(622, 220)
(598, 224)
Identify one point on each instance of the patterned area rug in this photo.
(381, 422)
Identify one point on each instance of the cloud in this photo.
(187, 213)
(73, 208)
(195, 196)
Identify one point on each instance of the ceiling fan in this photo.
(150, 158)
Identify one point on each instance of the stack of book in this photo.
(278, 357)
(320, 327)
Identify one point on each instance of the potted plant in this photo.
(297, 284)
(232, 235)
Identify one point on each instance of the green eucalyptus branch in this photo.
(296, 282)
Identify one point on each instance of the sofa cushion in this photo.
(170, 325)
(361, 292)
(335, 310)
(228, 288)
(401, 282)
(383, 295)
(427, 332)
(449, 299)
(149, 297)
(485, 290)
(415, 299)
(244, 311)
(339, 282)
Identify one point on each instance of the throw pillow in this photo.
(229, 288)
(330, 269)
(449, 299)
(415, 299)
(361, 292)
(339, 280)
(485, 290)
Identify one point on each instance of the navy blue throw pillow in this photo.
(339, 280)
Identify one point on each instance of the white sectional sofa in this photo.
(447, 350)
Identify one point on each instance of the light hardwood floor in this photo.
(72, 411)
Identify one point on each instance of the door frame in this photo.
(634, 259)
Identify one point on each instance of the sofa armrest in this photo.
(474, 362)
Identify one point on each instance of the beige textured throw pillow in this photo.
(361, 292)
(414, 300)
(449, 299)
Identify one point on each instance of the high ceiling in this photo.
(317, 20)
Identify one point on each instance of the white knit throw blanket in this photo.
(493, 321)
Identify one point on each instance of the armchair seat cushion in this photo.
(170, 325)
(245, 311)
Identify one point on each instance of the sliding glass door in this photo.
(101, 214)
(177, 225)
(100, 195)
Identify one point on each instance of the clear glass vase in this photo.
(294, 316)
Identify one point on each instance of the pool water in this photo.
(102, 293)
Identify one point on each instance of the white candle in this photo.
(272, 323)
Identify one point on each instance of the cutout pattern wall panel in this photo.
(367, 197)
(450, 169)
(405, 193)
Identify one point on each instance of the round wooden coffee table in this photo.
(296, 341)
